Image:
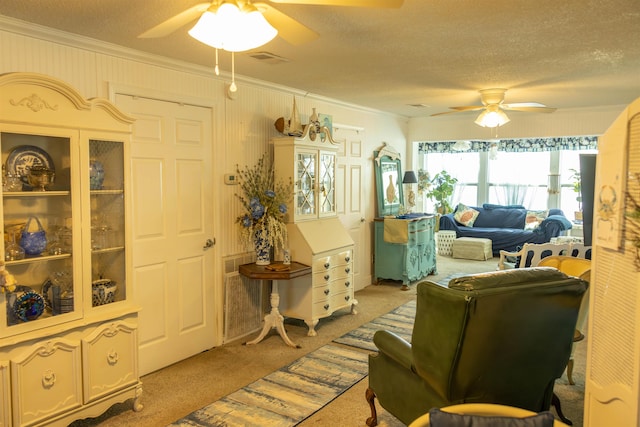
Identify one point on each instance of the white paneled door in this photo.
(350, 195)
(172, 229)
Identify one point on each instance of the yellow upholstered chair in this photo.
(531, 254)
(484, 410)
(581, 268)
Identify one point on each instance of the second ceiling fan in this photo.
(493, 107)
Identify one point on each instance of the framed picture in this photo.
(325, 120)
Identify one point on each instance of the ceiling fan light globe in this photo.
(209, 29)
(492, 117)
(234, 30)
(253, 31)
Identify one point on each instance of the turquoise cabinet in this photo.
(410, 260)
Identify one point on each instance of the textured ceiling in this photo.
(565, 54)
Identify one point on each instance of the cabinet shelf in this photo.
(26, 194)
(106, 192)
(108, 250)
(39, 258)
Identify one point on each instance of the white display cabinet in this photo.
(312, 167)
(316, 236)
(68, 332)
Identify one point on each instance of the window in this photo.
(511, 177)
(519, 179)
(463, 166)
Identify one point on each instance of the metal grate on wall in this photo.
(245, 301)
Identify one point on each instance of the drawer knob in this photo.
(327, 277)
(326, 306)
(347, 270)
(347, 298)
(347, 283)
(112, 357)
(347, 258)
(327, 291)
(48, 378)
(327, 265)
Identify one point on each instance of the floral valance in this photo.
(512, 145)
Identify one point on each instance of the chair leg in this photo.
(370, 395)
(570, 372)
(555, 401)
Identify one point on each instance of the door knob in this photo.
(209, 244)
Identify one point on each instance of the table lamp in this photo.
(409, 179)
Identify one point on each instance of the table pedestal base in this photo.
(274, 320)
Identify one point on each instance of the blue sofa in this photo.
(505, 226)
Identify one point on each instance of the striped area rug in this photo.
(400, 321)
(289, 395)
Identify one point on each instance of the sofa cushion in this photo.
(534, 218)
(492, 206)
(438, 418)
(465, 215)
(500, 218)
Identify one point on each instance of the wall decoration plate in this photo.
(24, 157)
(29, 305)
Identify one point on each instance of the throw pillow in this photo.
(465, 215)
(534, 218)
(438, 418)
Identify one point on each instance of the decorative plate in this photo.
(29, 305)
(24, 157)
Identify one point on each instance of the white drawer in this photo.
(110, 359)
(333, 303)
(331, 261)
(336, 274)
(321, 293)
(46, 381)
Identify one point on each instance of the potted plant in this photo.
(265, 204)
(441, 190)
(577, 187)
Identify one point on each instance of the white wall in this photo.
(242, 127)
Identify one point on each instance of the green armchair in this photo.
(502, 337)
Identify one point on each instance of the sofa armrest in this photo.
(553, 225)
(394, 347)
(448, 223)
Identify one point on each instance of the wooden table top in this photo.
(254, 271)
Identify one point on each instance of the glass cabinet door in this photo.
(107, 213)
(305, 183)
(327, 193)
(38, 203)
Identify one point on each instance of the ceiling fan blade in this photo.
(456, 110)
(354, 3)
(535, 108)
(172, 24)
(468, 108)
(288, 28)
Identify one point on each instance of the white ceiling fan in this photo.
(493, 108)
(288, 28)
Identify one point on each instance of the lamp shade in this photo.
(491, 117)
(233, 29)
(409, 178)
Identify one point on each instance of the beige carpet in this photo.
(173, 392)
